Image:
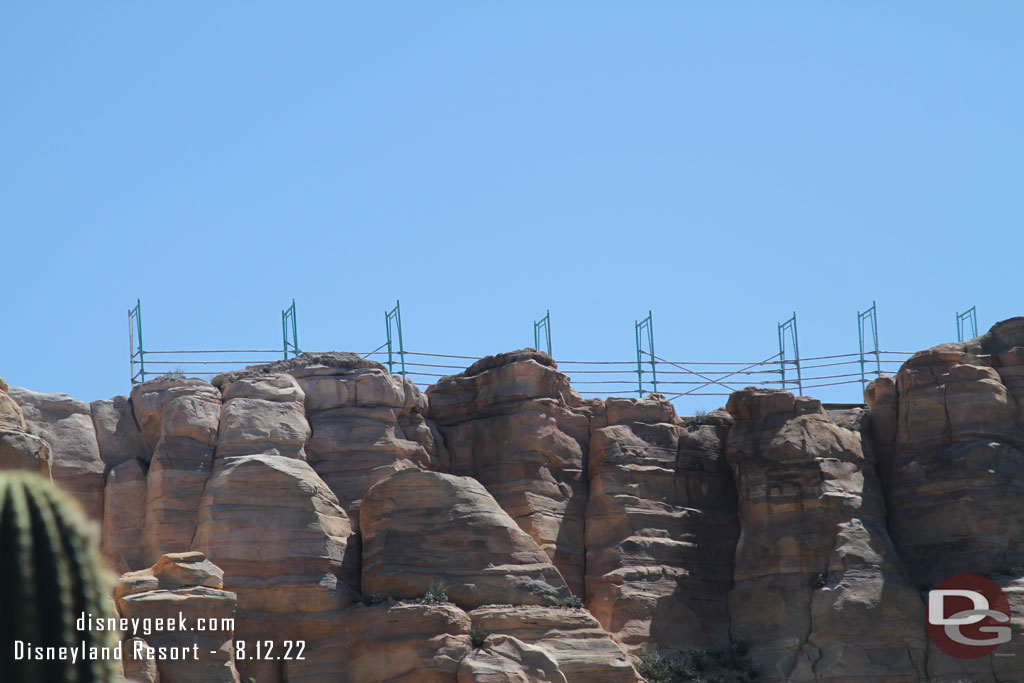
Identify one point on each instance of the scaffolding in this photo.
(789, 328)
(970, 316)
(542, 330)
(135, 343)
(645, 328)
(869, 315)
(677, 379)
(288, 323)
(395, 316)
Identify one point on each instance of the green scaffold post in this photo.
(645, 328)
(862, 318)
(789, 328)
(395, 316)
(289, 324)
(137, 354)
(970, 316)
(542, 327)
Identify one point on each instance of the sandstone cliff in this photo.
(498, 527)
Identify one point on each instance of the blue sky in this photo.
(721, 164)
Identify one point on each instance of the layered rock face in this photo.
(950, 435)
(513, 423)
(65, 424)
(661, 527)
(408, 544)
(179, 419)
(819, 589)
(952, 451)
(571, 637)
(19, 449)
(365, 424)
(321, 483)
(180, 589)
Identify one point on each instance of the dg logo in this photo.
(968, 616)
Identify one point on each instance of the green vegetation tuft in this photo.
(373, 598)
(730, 664)
(699, 418)
(477, 636)
(571, 602)
(436, 594)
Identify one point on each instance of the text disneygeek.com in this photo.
(158, 627)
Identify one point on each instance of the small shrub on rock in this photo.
(436, 594)
(730, 664)
(571, 602)
(477, 636)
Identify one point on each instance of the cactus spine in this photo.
(50, 573)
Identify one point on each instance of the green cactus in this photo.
(50, 573)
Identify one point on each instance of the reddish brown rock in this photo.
(954, 473)
(513, 423)
(504, 659)
(278, 533)
(401, 643)
(124, 507)
(584, 652)
(819, 590)
(661, 527)
(65, 424)
(421, 527)
(263, 415)
(181, 586)
(179, 418)
(136, 666)
(117, 434)
(366, 424)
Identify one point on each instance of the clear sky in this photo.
(721, 164)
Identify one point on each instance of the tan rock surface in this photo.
(422, 527)
(65, 424)
(365, 423)
(20, 450)
(585, 653)
(167, 589)
(819, 590)
(263, 415)
(11, 415)
(401, 643)
(661, 528)
(117, 434)
(954, 471)
(179, 418)
(504, 659)
(124, 513)
(278, 533)
(512, 422)
(137, 668)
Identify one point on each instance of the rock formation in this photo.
(661, 527)
(819, 588)
(449, 535)
(65, 424)
(513, 423)
(181, 589)
(408, 524)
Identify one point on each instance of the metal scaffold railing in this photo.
(394, 318)
(289, 324)
(868, 316)
(542, 332)
(645, 330)
(968, 317)
(789, 328)
(647, 373)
